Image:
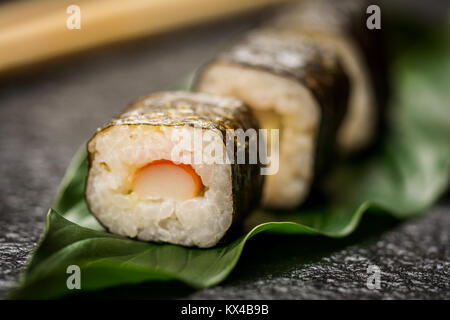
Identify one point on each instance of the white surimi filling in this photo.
(299, 117)
(118, 152)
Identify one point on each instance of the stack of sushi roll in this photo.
(340, 26)
(308, 73)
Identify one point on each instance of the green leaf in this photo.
(407, 173)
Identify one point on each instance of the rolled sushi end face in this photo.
(278, 103)
(137, 187)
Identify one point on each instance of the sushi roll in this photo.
(292, 86)
(152, 178)
(340, 26)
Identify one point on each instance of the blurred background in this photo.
(57, 85)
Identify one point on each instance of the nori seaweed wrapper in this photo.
(347, 18)
(208, 112)
(318, 70)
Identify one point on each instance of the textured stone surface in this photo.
(44, 119)
(413, 257)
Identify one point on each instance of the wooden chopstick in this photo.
(32, 31)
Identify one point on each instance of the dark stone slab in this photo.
(413, 257)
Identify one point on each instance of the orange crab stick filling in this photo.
(167, 180)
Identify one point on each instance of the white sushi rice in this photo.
(118, 152)
(271, 97)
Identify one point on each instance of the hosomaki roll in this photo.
(154, 174)
(292, 86)
(340, 26)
